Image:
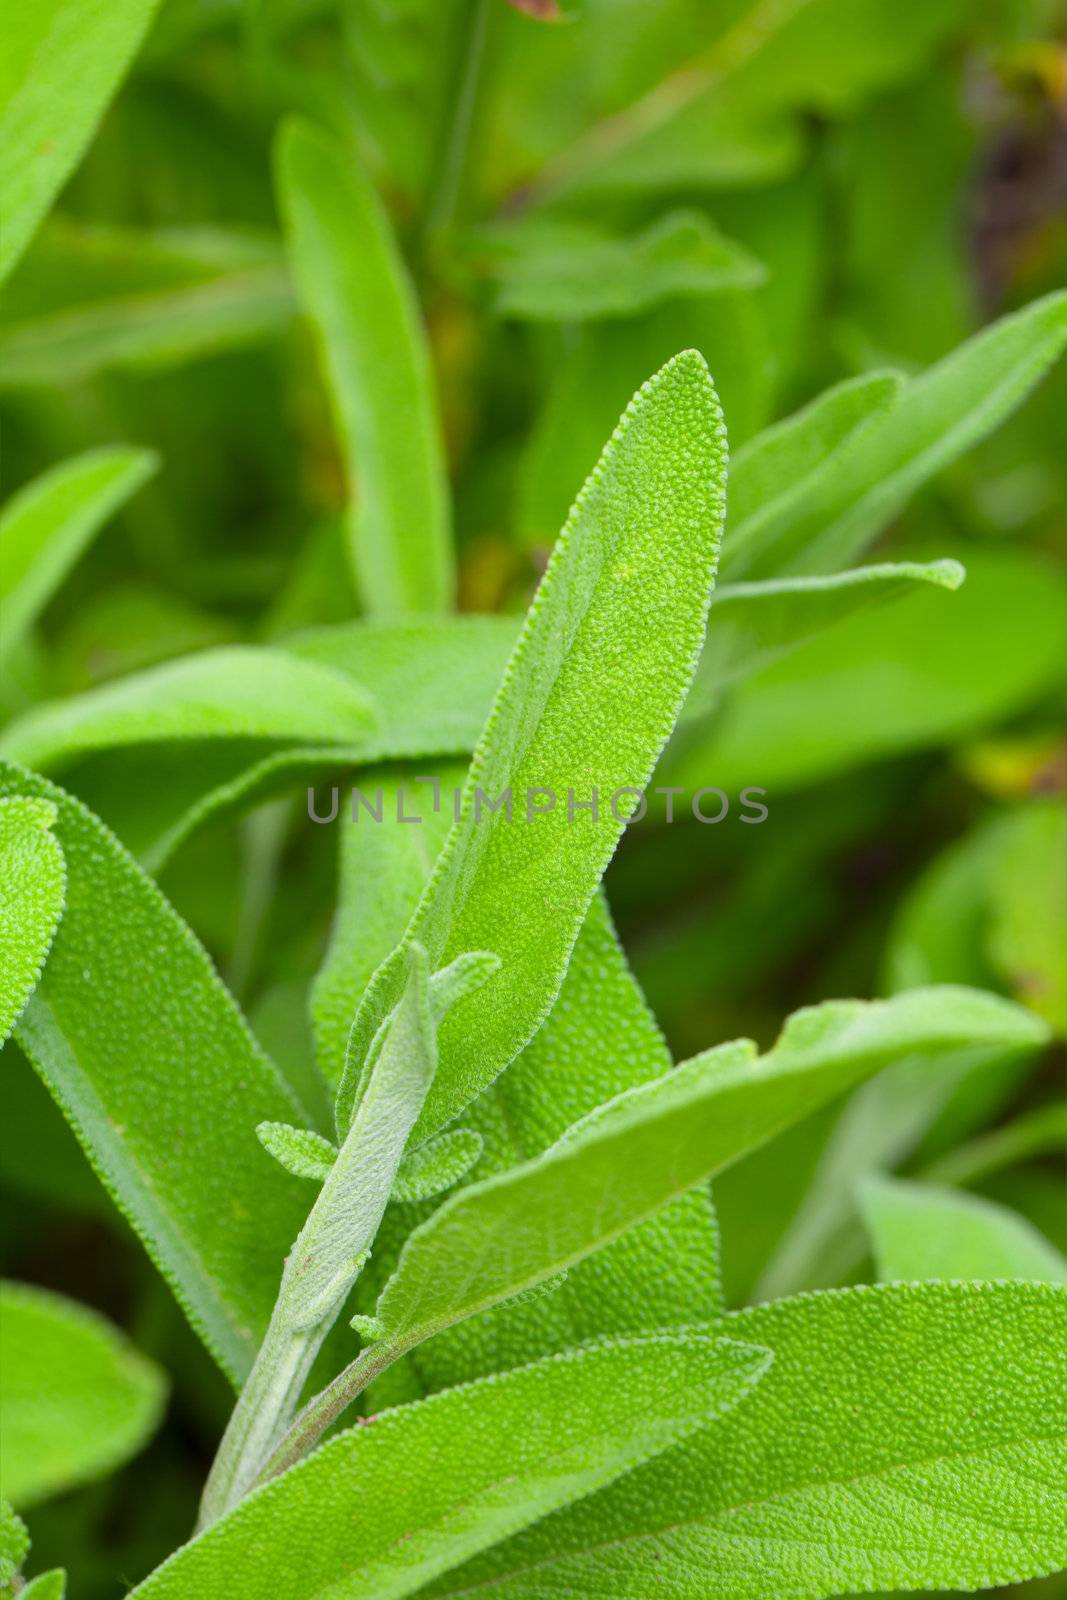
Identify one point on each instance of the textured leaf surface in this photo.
(588, 699)
(48, 524)
(568, 271)
(388, 1505)
(301, 1151)
(598, 1040)
(919, 1231)
(152, 1063)
(87, 299)
(626, 1159)
(437, 1165)
(354, 287)
(32, 887)
(905, 1437)
(776, 473)
(76, 1400)
(66, 59)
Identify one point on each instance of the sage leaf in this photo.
(47, 526)
(14, 1541)
(905, 1437)
(620, 612)
(89, 299)
(437, 1166)
(354, 287)
(154, 1067)
(555, 270)
(76, 1400)
(301, 1151)
(32, 890)
(630, 1156)
(244, 692)
(935, 419)
(46, 1586)
(65, 63)
(388, 1505)
(920, 1231)
(773, 475)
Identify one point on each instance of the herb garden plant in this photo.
(423, 1174)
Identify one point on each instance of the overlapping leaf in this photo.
(32, 889)
(919, 1231)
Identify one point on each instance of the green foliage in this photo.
(624, 600)
(441, 1479)
(76, 1399)
(967, 1470)
(63, 63)
(353, 286)
(32, 885)
(366, 286)
(919, 1231)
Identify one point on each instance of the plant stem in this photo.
(328, 1405)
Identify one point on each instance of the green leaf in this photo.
(437, 1166)
(382, 870)
(1028, 910)
(388, 1505)
(754, 624)
(46, 527)
(65, 59)
(572, 271)
(46, 1586)
(937, 417)
(236, 692)
(905, 1437)
(301, 1151)
(355, 289)
(774, 474)
(920, 673)
(919, 1231)
(32, 892)
(1032, 1134)
(76, 1400)
(622, 605)
(90, 298)
(599, 1039)
(153, 1065)
(629, 1157)
(14, 1541)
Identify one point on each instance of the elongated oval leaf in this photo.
(387, 1506)
(67, 58)
(905, 1437)
(588, 699)
(49, 523)
(354, 287)
(76, 1400)
(920, 1231)
(32, 889)
(152, 1063)
(502, 1236)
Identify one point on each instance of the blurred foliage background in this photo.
(842, 185)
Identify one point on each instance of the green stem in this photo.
(327, 1406)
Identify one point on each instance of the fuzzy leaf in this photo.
(571, 271)
(620, 612)
(65, 60)
(91, 298)
(437, 1166)
(774, 474)
(354, 287)
(388, 1505)
(905, 1437)
(45, 528)
(629, 1157)
(153, 1065)
(919, 1231)
(32, 890)
(75, 1399)
(14, 1541)
(46, 1586)
(301, 1151)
